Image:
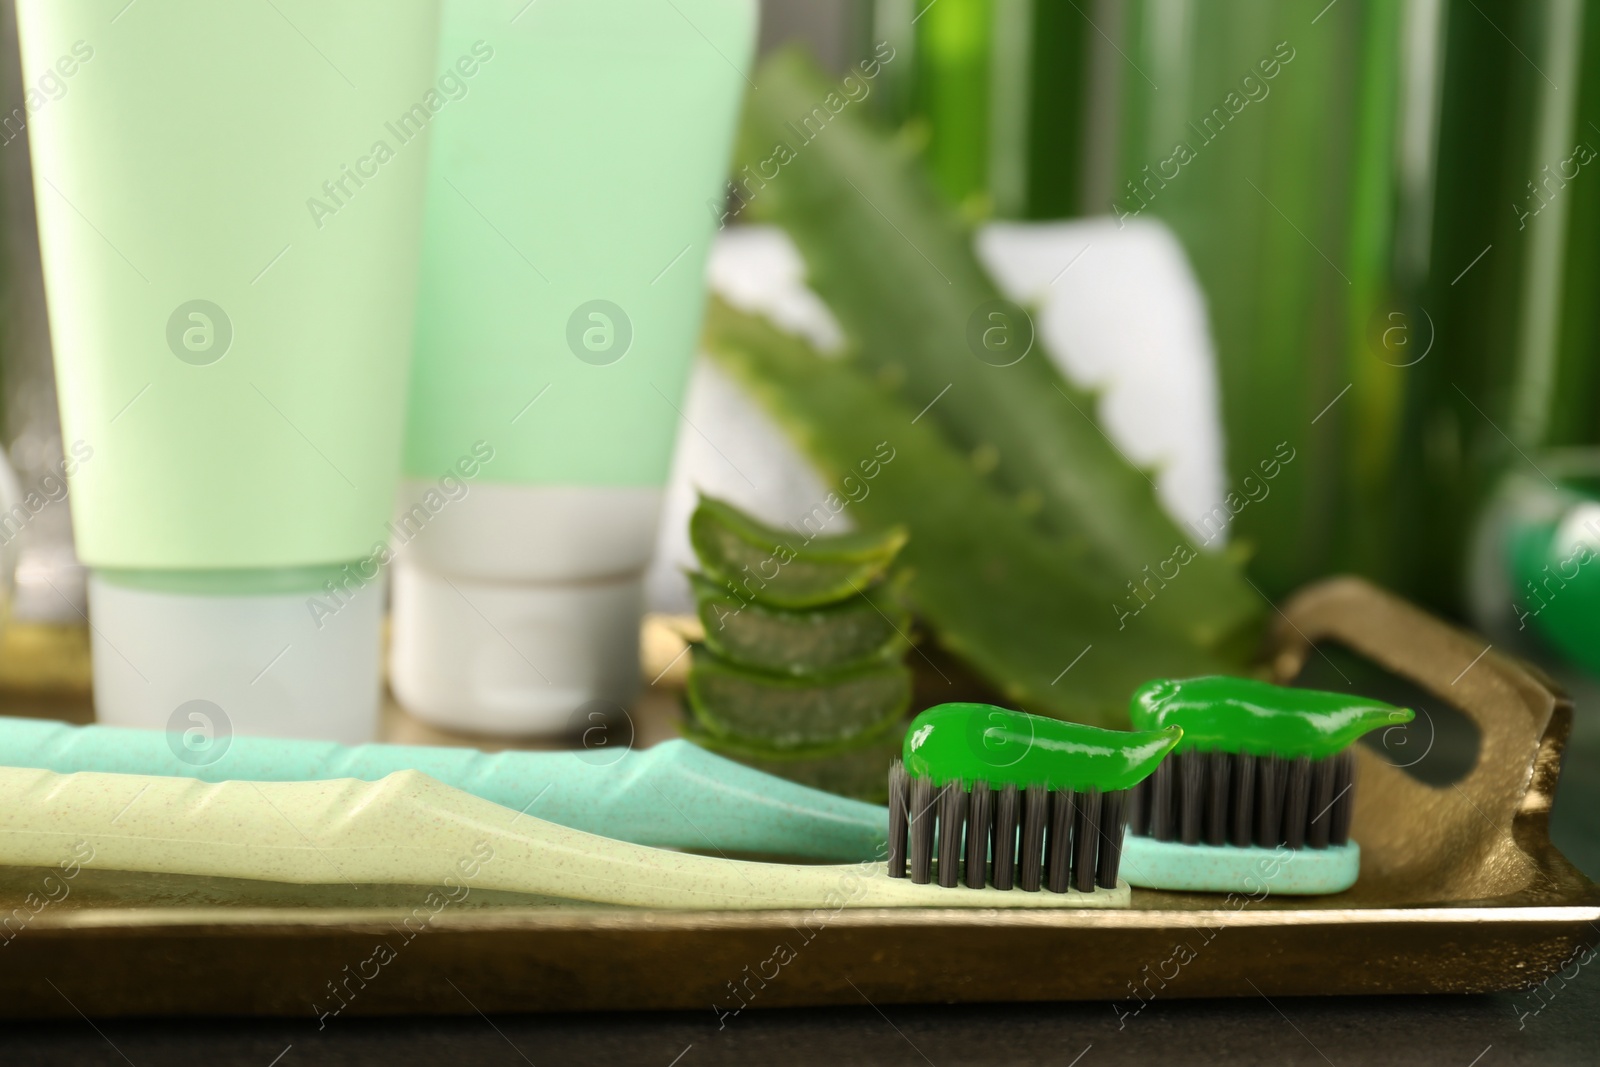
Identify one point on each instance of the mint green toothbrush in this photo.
(673, 795)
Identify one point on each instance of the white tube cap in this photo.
(510, 658)
(206, 667)
(514, 607)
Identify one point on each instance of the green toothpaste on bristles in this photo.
(981, 742)
(985, 796)
(1224, 714)
(1263, 771)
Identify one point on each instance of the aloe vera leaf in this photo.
(852, 633)
(899, 272)
(788, 568)
(997, 592)
(796, 713)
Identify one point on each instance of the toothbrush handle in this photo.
(408, 829)
(674, 795)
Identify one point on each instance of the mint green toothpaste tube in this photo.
(229, 198)
(576, 184)
(673, 795)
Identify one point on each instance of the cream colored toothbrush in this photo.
(409, 829)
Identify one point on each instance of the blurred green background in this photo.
(1390, 207)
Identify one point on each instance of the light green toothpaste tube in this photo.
(574, 191)
(229, 200)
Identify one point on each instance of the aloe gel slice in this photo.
(788, 568)
(853, 633)
(796, 713)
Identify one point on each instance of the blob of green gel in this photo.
(980, 742)
(1225, 714)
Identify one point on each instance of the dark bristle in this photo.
(1344, 805)
(1269, 800)
(1029, 839)
(1236, 799)
(1297, 802)
(1244, 800)
(1220, 781)
(1035, 816)
(1322, 773)
(1191, 795)
(1058, 845)
(922, 820)
(899, 818)
(1161, 801)
(980, 816)
(1003, 845)
(1139, 808)
(1086, 839)
(952, 827)
(1112, 830)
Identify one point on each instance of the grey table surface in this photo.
(1457, 1031)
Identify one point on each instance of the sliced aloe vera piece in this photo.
(787, 713)
(788, 568)
(857, 768)
(898, 270)
(998, 593)
(853, 633)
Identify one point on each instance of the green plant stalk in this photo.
(1552, 139)
(1252, 208)
(1459, 403)
(1370, 419)
(996, 592)
(1575, 415)
(954, 41)
(899, 271)
(1059, 79)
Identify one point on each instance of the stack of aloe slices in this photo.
(801, 670)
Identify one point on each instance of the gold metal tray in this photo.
(1460, 891)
